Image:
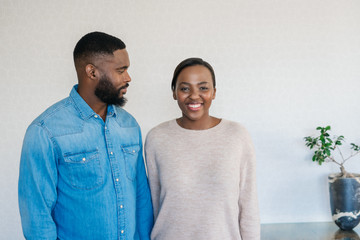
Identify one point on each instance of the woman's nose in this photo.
(194, 95)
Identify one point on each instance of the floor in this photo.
(307, 231)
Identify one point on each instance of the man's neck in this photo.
(94, 103)
(100, 109)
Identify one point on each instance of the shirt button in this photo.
(121, 206)
(84, 159)
(133, 151)
(117, 179)
(96, 116)
(105, 127)
(122, 231)
(111, 153)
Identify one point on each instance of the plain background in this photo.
(283, 67)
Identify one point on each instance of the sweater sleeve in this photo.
(152, 173)
(249, 220)
(144, 210)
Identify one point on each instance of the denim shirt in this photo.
(83, 178)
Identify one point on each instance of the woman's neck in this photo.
(202, 124)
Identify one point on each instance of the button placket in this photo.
(116, 178)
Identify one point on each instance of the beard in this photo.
(108, 94)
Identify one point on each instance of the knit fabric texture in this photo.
(203, 182)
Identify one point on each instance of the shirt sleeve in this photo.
(249, 219)
(144, 210)
(37, 184)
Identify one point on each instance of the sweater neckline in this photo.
(176, 126)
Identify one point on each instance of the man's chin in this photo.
(121, 102)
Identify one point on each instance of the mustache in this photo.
(125, 86)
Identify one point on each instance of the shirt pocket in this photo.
(131, 154)
(84, 169)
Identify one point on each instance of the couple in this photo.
(82, 174)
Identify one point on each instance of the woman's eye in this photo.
(204, 88)
(184, 89)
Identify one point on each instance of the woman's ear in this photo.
(90, 71)
(174, 95)
(214, 94)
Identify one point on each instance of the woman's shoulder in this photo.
(160, 135)
(235, 129)
(162, 128)
(232, 125)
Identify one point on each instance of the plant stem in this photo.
(334, 161)
(343, 171)
(341, 154)
(352, 155)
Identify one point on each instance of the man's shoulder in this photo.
(43, 124)
(51, 112)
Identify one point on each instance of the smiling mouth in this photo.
(194, 106)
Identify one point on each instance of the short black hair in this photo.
(188, 63)
(95, 43)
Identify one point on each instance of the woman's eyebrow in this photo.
(200, 83)
(185, 83)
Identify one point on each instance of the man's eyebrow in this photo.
(122, 68)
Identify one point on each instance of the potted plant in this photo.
(344, 187)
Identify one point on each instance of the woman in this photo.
(201, 168)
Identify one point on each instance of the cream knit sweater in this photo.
(202, 182)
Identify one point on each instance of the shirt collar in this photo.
(84, 109)
(111, 111)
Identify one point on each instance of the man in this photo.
(82, 173)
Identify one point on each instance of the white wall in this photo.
(283, 68)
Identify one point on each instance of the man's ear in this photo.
(174, 95)
(91, 71)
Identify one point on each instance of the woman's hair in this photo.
(188, 63)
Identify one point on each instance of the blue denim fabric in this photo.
(83, 178)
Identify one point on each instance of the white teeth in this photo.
(195, 105)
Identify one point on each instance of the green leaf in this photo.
(328, 153)
(355, 147)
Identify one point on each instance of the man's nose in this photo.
(127, 77)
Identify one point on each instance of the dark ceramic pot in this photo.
(345, 201)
